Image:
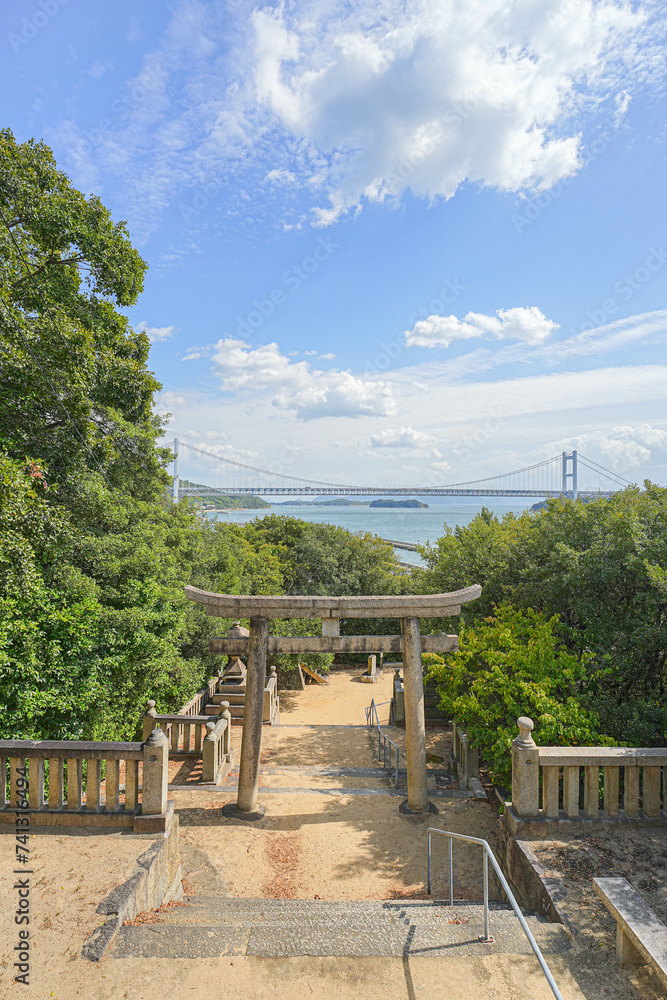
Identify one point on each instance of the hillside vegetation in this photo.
(94, 556)
(597, 574)
(571, 626)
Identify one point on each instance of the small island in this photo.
(397, 503)
(339, 502)
(245, 501)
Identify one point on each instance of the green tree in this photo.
(511, 664)
(601, 567)
(75, 391)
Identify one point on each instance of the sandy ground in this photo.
(335, 845)
(640, 856)
(501, 977)
(71, 875)
(341, 702)
(329, 847)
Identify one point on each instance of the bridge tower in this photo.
(176, 480)
(570, 475)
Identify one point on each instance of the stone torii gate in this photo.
(259, 645)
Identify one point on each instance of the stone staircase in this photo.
(209, 927)
(233, 691)
(433, 715)
(235, 695)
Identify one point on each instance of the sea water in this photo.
(416, 525)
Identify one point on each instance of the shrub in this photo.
(510, 664)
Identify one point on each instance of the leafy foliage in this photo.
(511, 664)
(602, 568)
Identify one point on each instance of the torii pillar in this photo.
(415, 726)
(409, 608)
(247, 806)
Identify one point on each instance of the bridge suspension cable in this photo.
(548, 477)
(612, 476)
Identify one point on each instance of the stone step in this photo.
(279, 928)
(233, 699)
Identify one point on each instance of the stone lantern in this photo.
(235, 671)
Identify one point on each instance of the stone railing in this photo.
(217, 755)
(185, 734)
(64, 793)
(562, 796)
(199, 701)
(464, 760)
(197, 736)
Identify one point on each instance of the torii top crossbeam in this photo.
(259, 609)
(286, 606)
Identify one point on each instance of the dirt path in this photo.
(326, 841)
(331, 831)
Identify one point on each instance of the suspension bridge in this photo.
(558, 476)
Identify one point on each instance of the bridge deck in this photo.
(375, 491)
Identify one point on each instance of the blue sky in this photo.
(393, 243)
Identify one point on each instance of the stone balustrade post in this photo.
(208, 753)
(227, 738)
(525, 771)
(156, 774)
(149, 719)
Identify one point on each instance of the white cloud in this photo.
(627, 446)
(327, 357)
(425, 96)
(400, 437)
(192, 356)
(169, 400)
(361, 102)
(297, 387)
(156, 333)
(280, 176)
(527, 324)
(439, 467)
(133, 33)
(98, 69)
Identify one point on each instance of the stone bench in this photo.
(640, 936)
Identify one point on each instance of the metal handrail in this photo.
(489, 855)
(383, 739)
